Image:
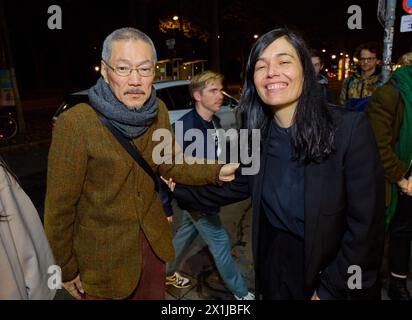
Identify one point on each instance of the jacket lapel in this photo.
(256, 196)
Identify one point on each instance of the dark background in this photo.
(64, 60)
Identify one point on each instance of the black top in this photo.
(344, 207)
(283, 184)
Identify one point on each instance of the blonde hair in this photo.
(406, 59)
(200, 81)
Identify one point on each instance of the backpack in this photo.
(357, 104)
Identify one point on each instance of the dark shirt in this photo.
(283, 184)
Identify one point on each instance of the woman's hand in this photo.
(227, 172)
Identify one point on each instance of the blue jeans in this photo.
(214, 234)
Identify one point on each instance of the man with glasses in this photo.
(357, 88)
(103, 216)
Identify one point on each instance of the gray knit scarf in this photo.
(131, 122)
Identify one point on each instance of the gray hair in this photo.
(125, 34)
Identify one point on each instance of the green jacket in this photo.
(99, 199)
(385, 113)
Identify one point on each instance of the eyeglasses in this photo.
(367, 59)
(124, 71)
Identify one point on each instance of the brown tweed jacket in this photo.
(98, 200)
(385, 114)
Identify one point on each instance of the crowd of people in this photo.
(334, 182)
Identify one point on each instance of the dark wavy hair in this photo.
(313, 130)
(371, 46)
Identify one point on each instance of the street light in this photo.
(175, 18)
(255, 36)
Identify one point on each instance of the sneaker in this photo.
(178, 281)
(398, 290)
(249, 296)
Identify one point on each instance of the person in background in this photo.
(206, 90)
(390, 115)
(317, 62)
(25, 254)
(357, 88)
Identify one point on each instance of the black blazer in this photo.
(344, 207)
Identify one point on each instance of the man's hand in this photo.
(74, 287)
(405, 186)
(169, 219)
(227, 172)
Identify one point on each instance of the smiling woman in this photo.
(318, 199)
(279, 79)
(280, 75)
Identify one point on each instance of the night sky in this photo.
(64, 59)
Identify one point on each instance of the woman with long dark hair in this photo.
(25, 254)
(318, 198)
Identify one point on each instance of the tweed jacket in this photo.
(385, 114)
(99, 199)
